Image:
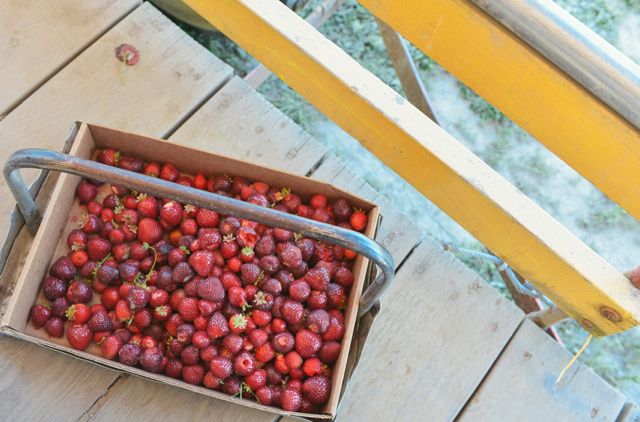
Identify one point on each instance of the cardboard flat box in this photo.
(63, 212)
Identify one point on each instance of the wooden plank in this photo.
(90, 88)
(521, 385)
(537, 246)
(135, 399)
(546, 102)
(240, 123)
(38, 37)
(439, 330)
(397, 232)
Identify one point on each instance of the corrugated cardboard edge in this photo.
(139, 145)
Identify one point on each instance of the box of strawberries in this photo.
(205, 300)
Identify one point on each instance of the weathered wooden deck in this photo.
(445, 345)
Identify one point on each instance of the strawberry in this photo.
(250, 273)
(318, 278)
(202, 262)
(238, 323)
(293, 360)
(256, 379)
(292, 312)
(54, 327)
(341, 210)
(300, 290)
(207, 218)
(283, 342)
(79, 336)
(264, 395)
(130, 164)
(129, 354)
(343, 276)
(107, 274)
(221, 367)
(329, 351)
(152, 169)
(217, 326)
(86, 191)
(53, 288)
(109, 157)
(246, 236)
(63, 269)
(265, 246)
(151, 360)
(149, 231)
(318, 321)
(171, 214)
(337, 296)
(237, 296)
(94, 208)
(79, 292)
(291, 256)
(312, 366)
(200, 181)
(260, 317)
(169, 172)
(316, 389)
(100, 322)
(317, 300)
(188, 309)
(358, 220)
(111, 346)
(244, 364)
(173, 368)
(264, 353)
(307, 343)
(211, 289)
(291, 400)
(182, 273)
(40, 314)
(77, 239)
(90, 224)
(147, 206)
(137, 297)
(335, 330)
(318, 201)
(98, 248)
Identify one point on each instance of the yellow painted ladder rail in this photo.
(552, 106)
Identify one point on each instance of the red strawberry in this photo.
(291, 400)
(292, 312)
(343, 276)
(244, 364)
(335, 330)
(53, 288)
(221, 367)
(238, 323)
(316, 389)
(137, 297)
(152, 169)
(237, 296)
(318, 278)
(329, 351)
(169, 172)
(111, 346)
(264, 395)
(317, 300)
(358, 220)
(63, 269)
(300, 290)
(173, 368)
(307, 343)
(318, 321)
(291, 256)
(293, 360)
(264, 353)
(40, 314)
(312, 366)
(202, 262)
(256, 379)
(147, 206)
(171, 213)
(91, 224)
(54, 327)
(283, 342)
(86, 191)
(182, 273)
(207, 218)
(318, 201)
(79, 336)
(151, 360)
(246, 236)
(149, 231)
(188, 308)
(250, 273)
(77, 239)
(107, 274)
(109, 157)
(265, 246)
(217, 326)
(129, 354)
(211, 289)
(337, 296)
(98, 248)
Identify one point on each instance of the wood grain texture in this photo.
(542, 250)
(239, 123)
(440, 329)
(33, 378)
(173, 77)
(521, 386)
(38, 37)
(135, 399)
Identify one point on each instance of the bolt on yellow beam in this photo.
(543, 100)
(579, 281)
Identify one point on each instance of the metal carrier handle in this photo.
(51, 160)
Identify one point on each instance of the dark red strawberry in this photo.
(63, 269)
(152, 169)
(337, 296)
(292, 312)
(307, 343)
(300, 290)
(137, 297)
(283, 342)
(173, 368)
(188, 308)
(221, 367)
(318, 278)
(211, 289)
(90, 224)
(98, 248)
(207, 218)
(202, 262)
(108, 156)
(341, 210)
(130, 164)
(291, 400)
(193, 374)
(86, 191)
(171, 213)
(265, 246)
(343, 276)
(40, 314)
(149, 231)
(111, 346)
(54, 327)
(244, 364)
(335, 330)
(270, 264)
(182, 273)
(60, 306)
(107, 274)
(264, 395)
(316, 389)
(151, 360)
(250, 273)
(217, 326)
(100, 321)
(129, 354)
(53, 288)
(79, 292)
(77, 239)
(318, 321)
(329, 351)
(79, 336)
(291, 256)
(317, 300)
(169, 172)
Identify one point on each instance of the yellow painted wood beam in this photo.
(551, 106)
(538, 247)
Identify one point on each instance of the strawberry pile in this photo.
(214, 300)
